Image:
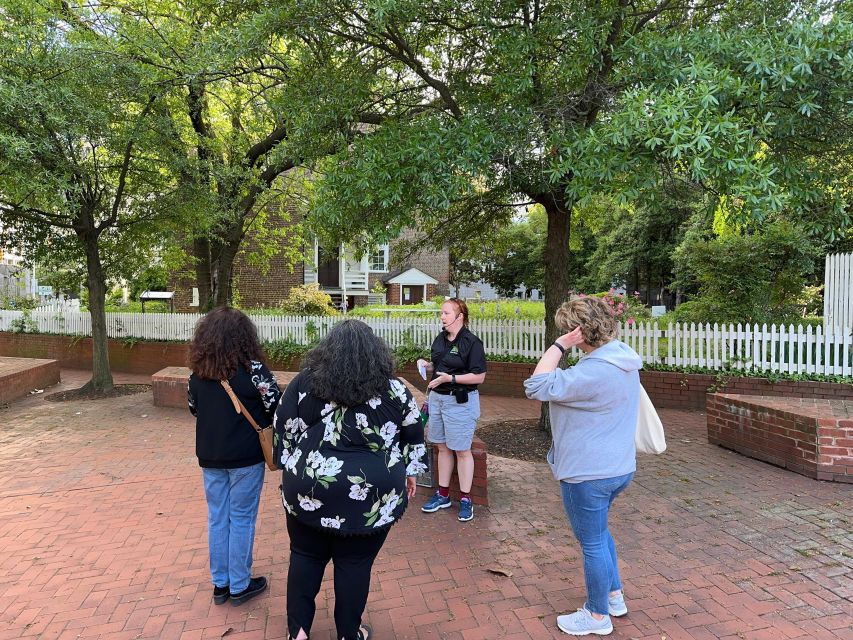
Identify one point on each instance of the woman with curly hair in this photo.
(350, 439)
(226, 347)
(593, 409)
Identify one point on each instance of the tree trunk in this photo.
(102, 377)
(557, 280)
(201, 253)
(223, 267)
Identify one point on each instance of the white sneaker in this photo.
(581, 623)
(616, 606)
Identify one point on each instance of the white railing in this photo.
(786, 349)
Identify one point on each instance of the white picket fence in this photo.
(838, 290)
(786, 349)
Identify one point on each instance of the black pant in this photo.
(310, 552)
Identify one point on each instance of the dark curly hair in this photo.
(350, 365)
(224, 340)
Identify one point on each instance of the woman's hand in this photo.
(440, 378)
(411, 486)
(571, 339)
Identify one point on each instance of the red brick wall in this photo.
(783, 431)
(666, 389)
(394, 294)
(430, 261)
(259, 288)
(253, 287)
(72, 353)
(669, 389)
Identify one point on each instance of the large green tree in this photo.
(83, 161)
(490, 103)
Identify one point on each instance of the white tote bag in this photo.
(649, 437)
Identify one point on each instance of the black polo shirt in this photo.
(465, 354)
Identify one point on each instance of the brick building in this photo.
(338, 270)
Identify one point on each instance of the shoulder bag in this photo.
(264, 433)
(649, 437)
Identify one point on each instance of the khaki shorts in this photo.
(451, 423)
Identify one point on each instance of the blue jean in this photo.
(587, 505)
(233, 496)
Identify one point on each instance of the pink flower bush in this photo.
(626, 308)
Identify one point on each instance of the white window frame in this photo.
(384, 249)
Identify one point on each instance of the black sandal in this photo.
(365, 632)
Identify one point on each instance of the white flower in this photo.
(328, 409)
(398, 388)
(415, 467)
(412, 417)
(289, 462)
(374, 402)
(264, 388)
(413, 404)
(361, 420)
(395, 455)
(301, 397)
(329, 433)
(385, 519)
(307, 503)
(357, 492)
(295, 425)
(388, 508)
(332, 523)
(387, 433)
(330, 467)
(315, 459)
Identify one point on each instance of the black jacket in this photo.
(224, 439)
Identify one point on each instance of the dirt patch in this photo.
(519, 439)
(86, 394)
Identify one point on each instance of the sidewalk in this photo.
(103, 535)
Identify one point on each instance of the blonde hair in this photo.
(596, 320)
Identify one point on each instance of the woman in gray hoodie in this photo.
(593, 409)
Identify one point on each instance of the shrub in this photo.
(308, 300)
(746, 278)
(626, 308)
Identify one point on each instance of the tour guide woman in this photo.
(350, 439)
(593, 419)
(458, 366)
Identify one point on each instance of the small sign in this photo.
(44, 290)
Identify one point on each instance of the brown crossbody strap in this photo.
(238, 406)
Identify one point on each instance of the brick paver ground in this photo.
(102, 535)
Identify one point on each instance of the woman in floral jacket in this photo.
(350, 439)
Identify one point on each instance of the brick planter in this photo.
(19, 376)
(811, 436)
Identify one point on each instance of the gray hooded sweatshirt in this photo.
(593, 413)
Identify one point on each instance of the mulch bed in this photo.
(87, 394)
(519, 439)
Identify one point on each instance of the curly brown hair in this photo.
(596, 320)
(224, 340)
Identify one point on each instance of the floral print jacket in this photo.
(345, 468)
